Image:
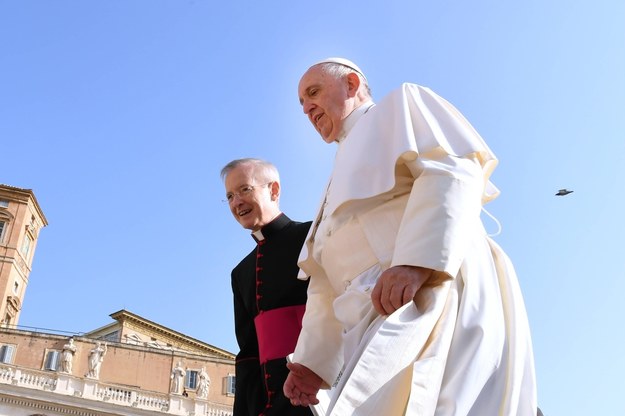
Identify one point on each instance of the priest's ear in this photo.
(275, 190)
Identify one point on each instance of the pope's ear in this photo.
(353, 83)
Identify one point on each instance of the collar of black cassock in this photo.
(271, 229)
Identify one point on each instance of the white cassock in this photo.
(409, 181)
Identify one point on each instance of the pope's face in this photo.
(326, 101)
(253, 202)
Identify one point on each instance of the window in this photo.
(26, 245)
(6, 354)
(2, 227)
(229, 385)
(4, 203)
(111, 336)
(16, 288)
(190, 381)
(52, 360)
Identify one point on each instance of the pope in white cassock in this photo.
(412, 309)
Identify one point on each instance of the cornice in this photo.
(45, 406)
(23, 195)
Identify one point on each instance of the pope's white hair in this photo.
(340, 71)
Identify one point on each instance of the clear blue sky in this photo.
(119, 114)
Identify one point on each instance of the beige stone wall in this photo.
(12, 265)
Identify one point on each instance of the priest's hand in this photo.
(397, 286)
(301, 385)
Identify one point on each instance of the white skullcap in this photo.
(341, 61)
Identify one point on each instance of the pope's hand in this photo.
(301, 385)
(397, 286)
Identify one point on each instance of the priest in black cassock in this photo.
(269, 300)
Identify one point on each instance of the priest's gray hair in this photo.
(340, 71)
(263, 170)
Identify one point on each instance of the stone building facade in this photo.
(132, 366)
(136, 373)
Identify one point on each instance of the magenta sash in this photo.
(277, 331)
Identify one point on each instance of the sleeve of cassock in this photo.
(314, 338)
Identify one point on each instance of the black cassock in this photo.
(269, 302)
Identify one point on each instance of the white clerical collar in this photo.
(258, 235)
(353, 117)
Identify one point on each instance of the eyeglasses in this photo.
(244, 191)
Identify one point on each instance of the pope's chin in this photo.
(328, 137)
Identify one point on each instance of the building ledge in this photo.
(66, 393)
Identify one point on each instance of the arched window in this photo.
(5, 221)
(3, 226)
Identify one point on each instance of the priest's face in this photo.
(253, 200)
(327, 101)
